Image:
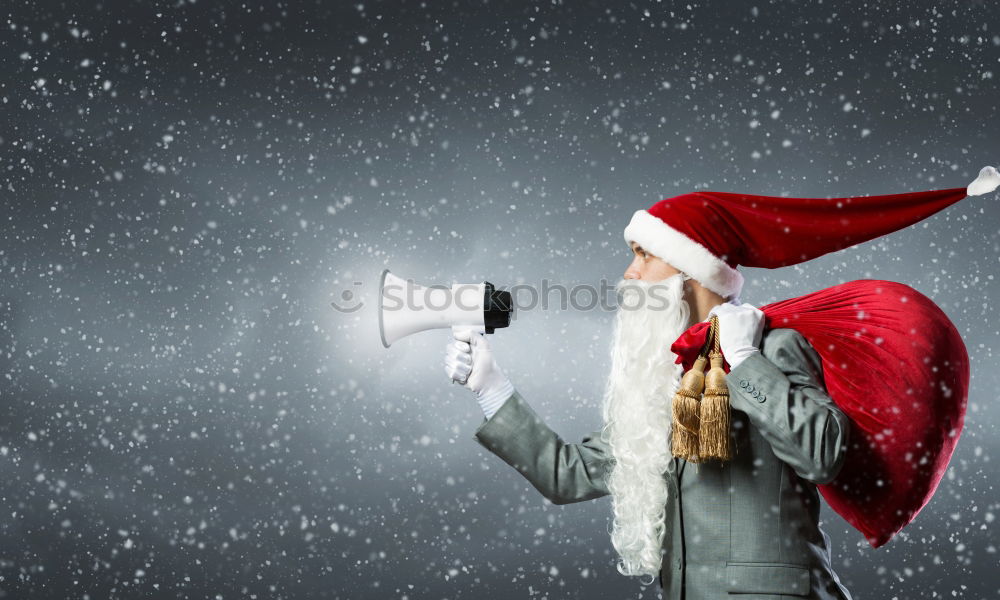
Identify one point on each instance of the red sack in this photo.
(896, 365)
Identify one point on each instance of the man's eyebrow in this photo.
(637, 248)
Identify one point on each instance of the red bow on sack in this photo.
(896, 365)
(690, 343)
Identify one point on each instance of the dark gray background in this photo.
(187, 186)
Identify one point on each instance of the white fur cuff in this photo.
(987, 181)
(683, 253)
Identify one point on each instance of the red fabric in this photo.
(896, 365)
(688, 346)
(776, 231)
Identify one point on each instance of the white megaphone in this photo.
(405, 307)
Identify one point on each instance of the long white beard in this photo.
(637, 416)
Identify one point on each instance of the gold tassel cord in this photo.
(714, 418)
(686, 406)
(684, 437)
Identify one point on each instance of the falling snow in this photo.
(189, 185)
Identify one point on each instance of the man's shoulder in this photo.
(784, 344)
(783, 336)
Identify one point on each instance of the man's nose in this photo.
(632, 272)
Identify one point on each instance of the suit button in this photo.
(743, 383)
(762, 398)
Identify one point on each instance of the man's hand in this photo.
(469, 361)
(740, 330)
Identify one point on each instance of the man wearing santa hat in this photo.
(749, 525)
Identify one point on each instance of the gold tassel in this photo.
(684, 437)
(713, 433)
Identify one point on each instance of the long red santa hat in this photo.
(708, 234)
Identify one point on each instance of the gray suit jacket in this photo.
(749, 526)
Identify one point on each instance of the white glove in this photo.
(740, 330)
(476, 369)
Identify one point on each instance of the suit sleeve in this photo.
(782, 392)
(562, 472)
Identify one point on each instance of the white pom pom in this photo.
(987, 181)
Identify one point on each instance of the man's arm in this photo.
(562, 472)
(781, 390)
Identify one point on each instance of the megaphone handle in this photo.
(455, 329)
